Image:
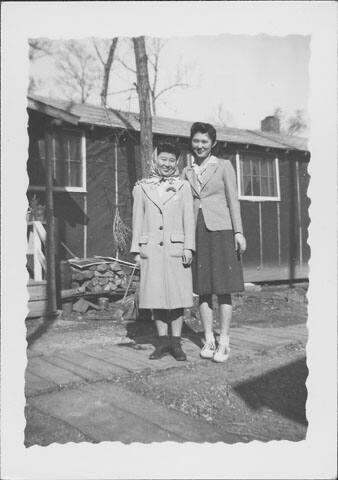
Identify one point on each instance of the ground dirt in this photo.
(259, 395)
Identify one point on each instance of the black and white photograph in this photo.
(167, 228)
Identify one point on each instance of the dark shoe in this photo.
(161, 349)
(176, 349)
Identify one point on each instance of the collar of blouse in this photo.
(200, 169)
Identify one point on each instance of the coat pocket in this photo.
(143, 244)
(176, 244)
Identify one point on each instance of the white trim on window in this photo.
(238, 171)
(256, 198)
(277, 177)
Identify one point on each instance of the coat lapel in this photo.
(210, 170)
(172, 190)
(152, 193)
(191, 175)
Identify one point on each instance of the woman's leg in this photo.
(207, 319)
(206, 313)
(161, 322)
(161, 327)
(225, 313)
(176, 320)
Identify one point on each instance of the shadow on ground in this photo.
(282, 390)
(143, 331)
(44, 325)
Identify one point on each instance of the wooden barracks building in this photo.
(96, 160)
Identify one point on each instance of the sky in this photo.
(246, 76)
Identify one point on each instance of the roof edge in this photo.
(52, 111)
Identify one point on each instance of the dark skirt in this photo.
(216, 267)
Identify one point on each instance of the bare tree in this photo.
(297, 123)
(34, 85)
(224, 118)
(143, 90)
(78, 69)
(154, 48)
(107, 65)
(292, 125)
(39, 47)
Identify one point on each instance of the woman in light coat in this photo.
(217, 265)
(163, 242)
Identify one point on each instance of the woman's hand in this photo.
(137, 259)
(240, 242)
(187, 257)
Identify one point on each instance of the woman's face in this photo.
(201, 145)
(166, 163)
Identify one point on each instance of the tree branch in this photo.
(126, 66)
(98, 52)
(171, 87)
(39, 48)
(122, 91)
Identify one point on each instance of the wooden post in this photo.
(116, 185)
(50, 228)
(292, 221)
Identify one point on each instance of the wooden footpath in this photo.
(94, 363)
(71, 388)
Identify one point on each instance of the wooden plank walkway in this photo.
(107, 412)
(93, 363)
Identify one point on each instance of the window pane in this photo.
(273, 183)
(255, 167)
(75, 174)
(256, 186)
(75, 148)
(266, 187)
(258, 176)
(265, 168)
(59, 172)
(245, 167)
(69, 164)
(247, 186)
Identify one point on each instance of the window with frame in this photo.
(66, 153)
(258, 177)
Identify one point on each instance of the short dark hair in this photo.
(200, 127)
(168, 148)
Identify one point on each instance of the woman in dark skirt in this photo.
(216, 267)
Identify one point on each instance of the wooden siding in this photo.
(101, 193)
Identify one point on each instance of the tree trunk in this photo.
(106, 72)
(144, 103)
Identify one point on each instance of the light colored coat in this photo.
(162, 229)
(217, 195)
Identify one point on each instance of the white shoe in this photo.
(222, 354)
(208, 350)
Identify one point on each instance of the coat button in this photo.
(161, 227)
(161, 243)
